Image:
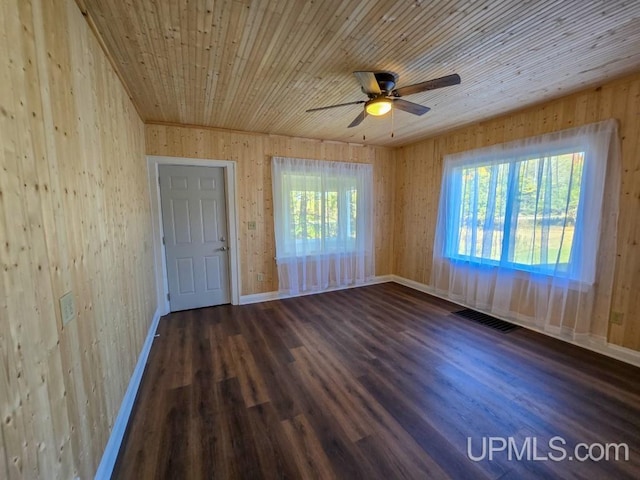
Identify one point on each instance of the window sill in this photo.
(522, 272)
(319, 255)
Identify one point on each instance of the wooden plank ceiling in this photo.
(258, 65)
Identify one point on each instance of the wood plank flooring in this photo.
(373, 382)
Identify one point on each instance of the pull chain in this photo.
(392, 121)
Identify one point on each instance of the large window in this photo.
(323, 223)
(527, 230)
(534, 205)
(520, 212)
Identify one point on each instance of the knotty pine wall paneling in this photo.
(253, 153)
(419, 172)
(74, 216)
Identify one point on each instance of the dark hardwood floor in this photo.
(373, 382)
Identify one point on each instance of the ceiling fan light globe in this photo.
(378, 106)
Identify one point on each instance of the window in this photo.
(526, 231)
(520, 212)
(323, 221)
(534, 205)
(320, 213)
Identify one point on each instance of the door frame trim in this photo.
(229, 168)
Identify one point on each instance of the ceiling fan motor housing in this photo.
(386, 81)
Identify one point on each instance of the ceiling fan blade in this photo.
(410, 107)
(334, 106)
(447, 81)
(369, 82)
(358, 120)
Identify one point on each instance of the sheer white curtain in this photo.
(323, 216)
(527, 230)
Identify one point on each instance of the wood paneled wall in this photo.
(253, 153)
(419, 171)
(74, 216)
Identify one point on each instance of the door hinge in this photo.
(163, 240)
(158, 180)
(168, 296)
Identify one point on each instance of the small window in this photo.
(321, 213)
(323, 223)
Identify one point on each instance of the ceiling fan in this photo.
(380, 88)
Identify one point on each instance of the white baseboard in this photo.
(110, 455)
(422, 287)
(260, 297)
(623, 354)
(269, 296)
(590, 342)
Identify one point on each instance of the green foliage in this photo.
(323, 214)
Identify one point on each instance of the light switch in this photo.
(67, 307)
(251, 225)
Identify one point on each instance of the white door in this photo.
(194, 220)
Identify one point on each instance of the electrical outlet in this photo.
(251, 225)
(67, 307)
(616, 318)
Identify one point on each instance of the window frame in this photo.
(512, 153)
(337, 181)
(514, 164)
(342, 207)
